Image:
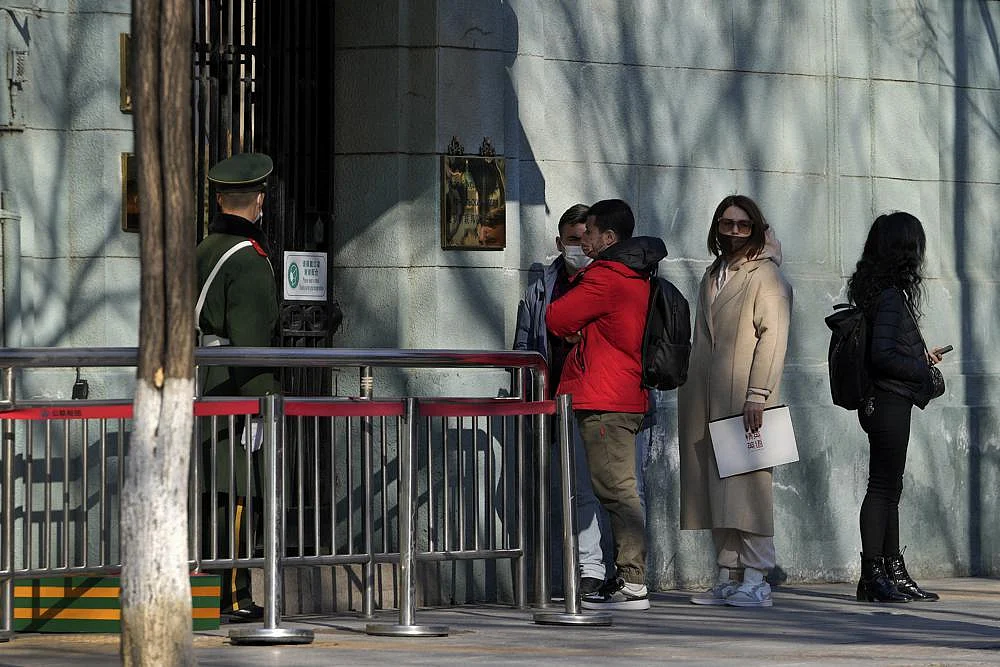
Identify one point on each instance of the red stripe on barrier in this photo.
(248, 406)
(485, 408)
(354, 408)
(123, 411)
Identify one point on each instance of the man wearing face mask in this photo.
(604, 315)
(531, 334)
(238, 306)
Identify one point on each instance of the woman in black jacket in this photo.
(886, 285)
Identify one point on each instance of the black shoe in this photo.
(245, 614)
(875, 584)
(590, 585)
(895, 568)
(616, 594)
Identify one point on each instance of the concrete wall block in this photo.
(470, 93)
(904, 37)
(44, 101)
(852, 33)
(972, 251)
(646, 32)
(367, 100)
(418, 103)
(367, 212)
(102, 300)
(922, 200)
(93, 70)
(476, 298)
(967, 45)
(472, 25)
(854, 127)
(367, 24)
(677, 204)
(40, 178)
(370, 315)
(779, 36)
(526, 106)
(809, 337)
(103, 7)
(524, 28)
(970, 140)
(907, 140)
(791, 203)
(94, 173)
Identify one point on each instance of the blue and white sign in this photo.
(305, 276)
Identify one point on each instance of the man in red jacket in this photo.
(604, 313)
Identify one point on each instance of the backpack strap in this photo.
(211, 277)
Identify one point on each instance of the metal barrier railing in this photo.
(468, 510)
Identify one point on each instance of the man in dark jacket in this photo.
(238, 306)
(532, 334)
(605, 315)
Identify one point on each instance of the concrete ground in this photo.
(808, 624)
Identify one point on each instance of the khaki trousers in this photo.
(609, 440)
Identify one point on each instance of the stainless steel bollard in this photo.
(368, 568)
(521, 563)
(543, 591)
(407, 511)
(273, 410)
(7, 536)
(570, 554)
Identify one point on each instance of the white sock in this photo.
(753, 576)
(724, 575)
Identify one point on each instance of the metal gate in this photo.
(264, 82)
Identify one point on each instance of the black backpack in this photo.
(847, 358)
(666, 340)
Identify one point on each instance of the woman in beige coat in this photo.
(740, 336)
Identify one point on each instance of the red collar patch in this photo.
(258, 248)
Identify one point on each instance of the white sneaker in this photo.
(716, 595)
(751, 595)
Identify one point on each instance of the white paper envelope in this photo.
(737, 451)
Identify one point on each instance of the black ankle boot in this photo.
(875, 584)
(896, 569)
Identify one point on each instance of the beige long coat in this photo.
(740, 338)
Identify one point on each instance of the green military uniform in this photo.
(239, 308)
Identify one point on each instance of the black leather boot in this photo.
(896, 569)
(875, 584)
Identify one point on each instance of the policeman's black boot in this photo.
(896, 569)
(875, 584)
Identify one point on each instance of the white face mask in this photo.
(575, 258)
(260, 211)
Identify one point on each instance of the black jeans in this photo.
(888, 429)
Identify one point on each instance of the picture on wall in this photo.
(124, 89)
(130, 193)
(473, 203)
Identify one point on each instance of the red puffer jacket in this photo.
(607, 305)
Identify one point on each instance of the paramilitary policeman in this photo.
(238, 306)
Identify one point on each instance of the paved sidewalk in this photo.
(809, 624)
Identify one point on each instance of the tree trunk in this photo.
(156, 594)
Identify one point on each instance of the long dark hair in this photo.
(757, 239)
(893, 257)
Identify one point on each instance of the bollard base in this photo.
(264, 636)
(556, 618)
(6, 636)
(391, 630)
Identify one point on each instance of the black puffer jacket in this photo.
(898, 362)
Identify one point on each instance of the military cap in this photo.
(245, 172)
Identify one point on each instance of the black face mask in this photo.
(732, 244)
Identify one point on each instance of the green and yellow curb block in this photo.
(93, 604)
